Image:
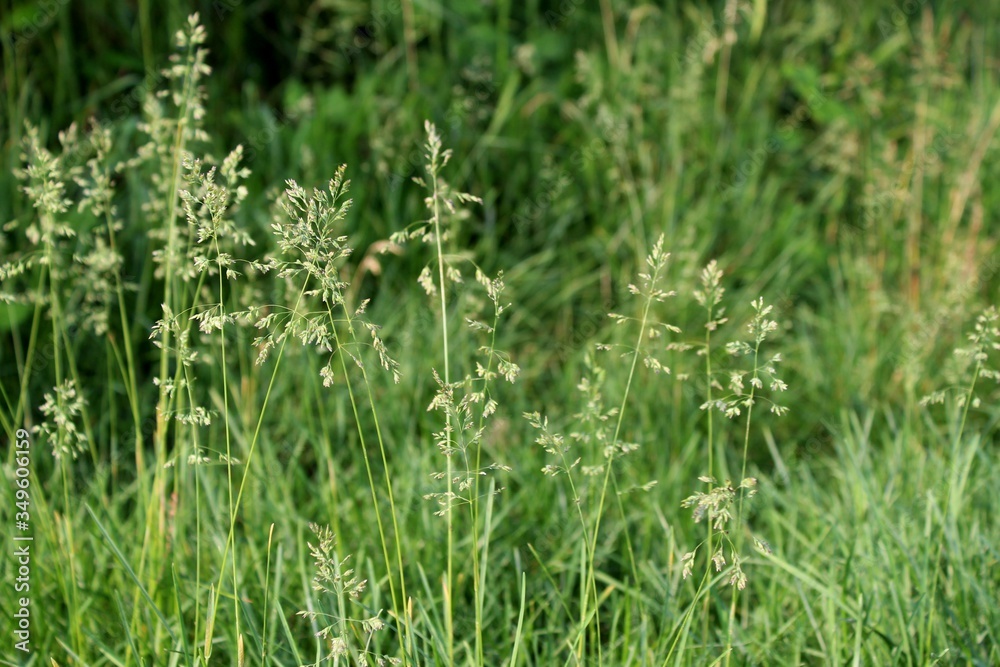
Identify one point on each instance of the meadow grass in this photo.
(375, 419)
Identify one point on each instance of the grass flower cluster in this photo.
(287, 419)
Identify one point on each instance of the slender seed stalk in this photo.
(591, 579)
(229, 450)
(449, 576)
(156, 496)
(401, 615)
(214, 606)
(984, 338)
(398, 601)
(474, 489)
(739, 511)
(710, 300)
(657, 262)
(58, 327)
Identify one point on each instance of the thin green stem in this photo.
(162, 411)
(129, 374)
(401, 615)
(704, 587)
(397, 609)
(246, 467)
(947, 510)
(739, 511)
(225, 418)
(711, 450)
(58, 325)
(614, 442)
(449, 577)
(29, 355)
(474, 492)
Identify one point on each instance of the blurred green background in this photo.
(814, 120)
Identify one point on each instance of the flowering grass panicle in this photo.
(591, 445)
(716, 506)
(173, 120)
(80, 265)
(467, 404)
(974, 359)
(208, 206)
(717, 502)
(436, 229)
(314, 252)
(596, 443)
(759, 328)
(155, 437)
(721, 505)
(477, 403)
(62, 410)
(338, 628)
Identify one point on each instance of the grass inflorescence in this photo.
(701, 370)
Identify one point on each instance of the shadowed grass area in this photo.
(355, 417)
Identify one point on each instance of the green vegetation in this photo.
(500, 334)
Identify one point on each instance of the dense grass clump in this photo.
(379, 333)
